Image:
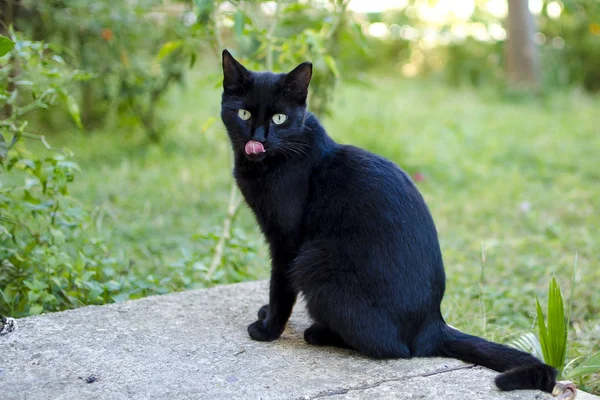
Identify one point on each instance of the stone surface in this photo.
(194, 345)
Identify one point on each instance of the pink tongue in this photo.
(254, 147)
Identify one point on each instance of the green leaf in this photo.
(192, 60)
(79, 262)
(208, 123)
(67, 164)
(28, 197)
(112, 286)
(35, 309)
(557, 328)
(80, 76)
(168, 48)
(553, 336)
(72, 107)
(332, 66)
(542, 332)
(589, 366)
(15, 138)
(120, 297)
(3, 147)
(4, 234)
(239, 22)
(32, 297)
(205, 7)
(58, 236)
(6, 45)
(295, 8)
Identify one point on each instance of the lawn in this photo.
(512, 183)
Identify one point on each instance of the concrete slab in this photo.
(194, 345)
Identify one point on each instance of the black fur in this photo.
(349, 230)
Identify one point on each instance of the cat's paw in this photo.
(262, 313)
(317, 336)
(259, 331)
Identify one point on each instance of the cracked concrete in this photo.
(361, 388)
(194, 345)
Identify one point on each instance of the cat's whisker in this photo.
(292, 149)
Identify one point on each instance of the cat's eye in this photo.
(279, 118)
(244, 114)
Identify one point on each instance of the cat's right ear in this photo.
(234, 73)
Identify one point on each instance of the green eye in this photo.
(279, 118)
(244, 114)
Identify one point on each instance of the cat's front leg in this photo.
(263, 312)
(281, 301)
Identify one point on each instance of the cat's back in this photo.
(359, 191)
(352, 171)
(368, 228)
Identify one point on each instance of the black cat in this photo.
(349, 230)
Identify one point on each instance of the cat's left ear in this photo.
(296, 82)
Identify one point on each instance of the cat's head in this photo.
(264, 112)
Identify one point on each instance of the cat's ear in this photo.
(296, 82)
(234, 73)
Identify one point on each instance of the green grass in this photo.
(514, 179)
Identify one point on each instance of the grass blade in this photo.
(589, 366)
(571, 300)
(542, 332)
(572, 291)
(557, 329)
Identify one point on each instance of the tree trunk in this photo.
(12, 13)
(6, 15)
(522, 55)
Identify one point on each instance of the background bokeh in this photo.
(116, 170)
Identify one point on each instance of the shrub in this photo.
(51, 257)
(278, 40)
(119, 42)
(48, 257)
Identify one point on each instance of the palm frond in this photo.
(589, 366)
(528, 343)
(553, 334)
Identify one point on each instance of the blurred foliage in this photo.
(48, 256)
(278, 35)
(118, 42)
(125, 58)
(139, 49)
(571, 46)
(471, 51)
(474, 63)
(51, 254)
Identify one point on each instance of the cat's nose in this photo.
(259, 134)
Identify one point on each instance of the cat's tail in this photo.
(520, 370)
